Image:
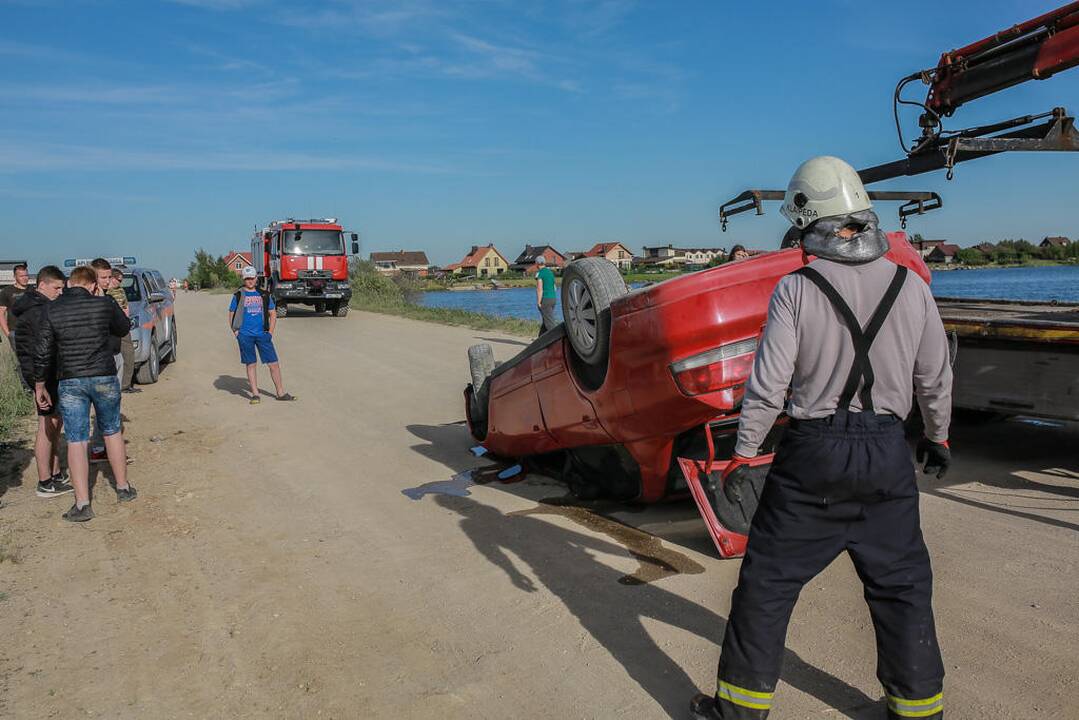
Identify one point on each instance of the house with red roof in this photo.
(616, 252)
(943, 253)
(481, 261)
(526, 261)
(236, 261)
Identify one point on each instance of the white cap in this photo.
(249, 272)
(540, 260)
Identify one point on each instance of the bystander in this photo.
(28, 312)
(78, 329)
(8, 296)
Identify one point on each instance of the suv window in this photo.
(130, 286)
(159, 281)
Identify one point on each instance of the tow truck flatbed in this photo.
(1011, 320)
(1014, 357)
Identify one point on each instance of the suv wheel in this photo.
(149, 371)
(171, 357)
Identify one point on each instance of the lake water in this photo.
(1059, 283)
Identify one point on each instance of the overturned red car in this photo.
(640, 390)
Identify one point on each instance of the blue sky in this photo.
(153, 128)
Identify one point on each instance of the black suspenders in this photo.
(862, 339)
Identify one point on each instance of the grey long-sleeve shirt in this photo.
(806, 347)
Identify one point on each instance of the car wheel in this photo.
(282, 311)
(340, 309)
(149, 371)
(320, 307)
(173, 351)
(588, 287)
(481, 363)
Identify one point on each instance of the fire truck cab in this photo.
(304, 262)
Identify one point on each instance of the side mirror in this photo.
(157, 296)
(355, 243)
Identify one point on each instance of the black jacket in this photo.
(28, 312)
(78, 327)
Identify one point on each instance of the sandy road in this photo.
(273, 567)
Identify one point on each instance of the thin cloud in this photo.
(52, 157)
(227, 62)
(591, 18)
(216, 4)
(384, 18)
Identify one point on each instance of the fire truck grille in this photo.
(314, 274)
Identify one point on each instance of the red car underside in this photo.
(546, 400)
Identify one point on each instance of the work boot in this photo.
(704, 707)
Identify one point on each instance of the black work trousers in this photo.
(842, 483)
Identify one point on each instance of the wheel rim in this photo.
(154, 361)
(582, 318)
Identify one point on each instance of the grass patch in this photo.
(374, 292)
(15, 403)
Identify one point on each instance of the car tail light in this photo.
(715, 369)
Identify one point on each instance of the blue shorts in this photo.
(264, 343)
(76, 397)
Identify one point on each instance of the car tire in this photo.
(481, 363)
(340, 309)
(589, 285)
(320, 307)
(282, 311)
(173, 351)
(150, 370)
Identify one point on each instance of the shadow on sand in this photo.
(15, 457)
(614, 612)
(611, 605)
(237, 386)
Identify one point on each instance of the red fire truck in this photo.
(304, 262)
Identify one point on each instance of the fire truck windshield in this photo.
(312, 242)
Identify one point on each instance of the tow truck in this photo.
(303, 262)
(1011, 358)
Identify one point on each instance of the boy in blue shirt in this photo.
(252, 318)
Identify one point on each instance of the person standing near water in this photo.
(545, 294)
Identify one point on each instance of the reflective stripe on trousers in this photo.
(930, 707)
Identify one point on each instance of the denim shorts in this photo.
(263, 342)
(76, 397)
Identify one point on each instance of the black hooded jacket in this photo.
(28, 312)
(78, 327)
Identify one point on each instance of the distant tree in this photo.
(206, 271)
(971, 256)
(917, 237)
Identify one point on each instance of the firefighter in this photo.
(849, 334)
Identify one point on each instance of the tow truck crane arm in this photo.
(1032, 50)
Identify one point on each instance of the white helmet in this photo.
(824, 197)
(823, 187)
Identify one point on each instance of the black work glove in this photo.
(936, 456)
(736, 476)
